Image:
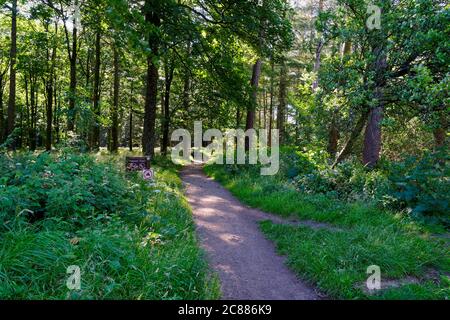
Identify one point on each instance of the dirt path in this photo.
(246, 262)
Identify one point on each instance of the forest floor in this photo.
(246, 262)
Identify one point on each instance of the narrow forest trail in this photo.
(246, 262)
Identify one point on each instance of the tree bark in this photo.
(265, 109)
(12, 74)
(334, 134)
(187, 81)
(440, 133)
(333, 137)
(319, 48)
(238, 117)
(73, 81)
(151, 92)
(115, 106)
(130, 119)
(251, 110)
(272, 86)
(33, 113)
(372, 136)
(50, 91)
(186, 89)
(56, 114)
(96, 98)
(281, 115)
(2, 117)
(169, 69)
(347, 149)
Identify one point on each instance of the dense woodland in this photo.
(125, 73)
(362, 112)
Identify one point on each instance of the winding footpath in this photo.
(246, 262)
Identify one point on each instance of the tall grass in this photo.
(336, 261)
(131, 239)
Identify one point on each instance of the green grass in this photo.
(336, 262)
(142, 245)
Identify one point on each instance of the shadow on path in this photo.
(246, 262)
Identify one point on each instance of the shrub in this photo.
(131, 239)
(422, 186)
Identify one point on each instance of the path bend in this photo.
(246, 262)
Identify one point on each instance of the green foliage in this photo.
(422, 186)
(131, 240)
(336, 259)
(418, 185)
(349, 180)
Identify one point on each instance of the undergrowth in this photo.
(131, 239)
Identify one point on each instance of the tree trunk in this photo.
(50, 91)
(12, 73)
(130, 120)
(2, 117)
(73, 81)
(282, 102)
(96, 98)
(440, 133)
(238, 117)
(187, 82)
(115, 106)
(166, 121)
(251, 110)
(33, 114)
(319, 48)
(334, 134)
(265, 109)
(333, 137)
(151, 92)
(348, 147)
(27, 105)
(56, 115)
(272, 86)
(372, 136)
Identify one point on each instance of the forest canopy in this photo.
(356, 90)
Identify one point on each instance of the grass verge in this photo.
(336, 262)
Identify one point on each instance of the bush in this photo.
(131, 239)
(422, 186)
(66, 186)
(349, 181)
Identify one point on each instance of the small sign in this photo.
(148, 174)
(137, 163)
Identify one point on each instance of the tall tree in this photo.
(115, 106)
(12, 72)
(96, 92)
(153, 20)
(3, 79)
(318, 51)
(49, 83)
(372, 136)
(251, 110)
(282, 103)
(169, 68)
